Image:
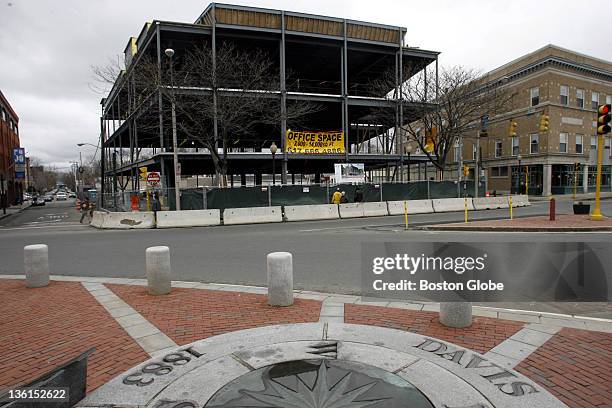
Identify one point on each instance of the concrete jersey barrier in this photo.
(414, 207)
(311, 212)
(127, 220)
(451, 204)
(520, 201)
(252, 215)
(98, 219)
(355, 210)
(188, 218)
(490, 203)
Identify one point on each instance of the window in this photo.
(609, 99)
(579, 139)
(534, 143)
(563, 142)
(515, 146)
(535, 96)
(499, 148)
(564, 95)
(594, 100)
(499, 171)
(593, 142)
(580, 98)
(457, 152)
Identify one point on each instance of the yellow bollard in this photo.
(510, 202)
(466, 209)
(148, 201)
(406, 213)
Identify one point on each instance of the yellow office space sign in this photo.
(314, 142)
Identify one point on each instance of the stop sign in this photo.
(153, 178)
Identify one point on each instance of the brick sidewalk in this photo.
(41, 328)
(563, 222)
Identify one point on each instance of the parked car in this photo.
(48, 198)
(61, 196)
(72, 195)
(38, 200)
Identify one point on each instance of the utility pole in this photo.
(177, 174)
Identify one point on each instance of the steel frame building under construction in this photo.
(333, 60)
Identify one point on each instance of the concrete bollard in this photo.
(36, 265)
(280, 279)
(158, 270)
(456, 314)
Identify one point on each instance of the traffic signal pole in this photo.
(596, 215)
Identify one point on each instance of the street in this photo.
(327, 254)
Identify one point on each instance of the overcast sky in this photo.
(48, 46)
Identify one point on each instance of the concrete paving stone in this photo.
(139, 282)
(504, 361)
(372, 302)
(408, 306)
(599, 326)
(521, 317)
(256, 290)
(184, 284)
(327, 310)
(155, 342)
(331, 319)
(311, 296)
(141, 330)
(555, 315)
(544, 328)
(13, 277)
(441, 387)
(106, 298)
(514, 349)
(121, 311)
(342, 299)
(110, 303)
(66, 278)
(431, 307)
(531, 337)
(131, 320)
(573, 323)
(484, 312)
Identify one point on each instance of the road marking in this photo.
(145, 333)
(51, 225)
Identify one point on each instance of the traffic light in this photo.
(603, 119)
(544, 122)
(512, 128)
(466, 170)
(430, 137)
(143, 173)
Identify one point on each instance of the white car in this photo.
(61, 196)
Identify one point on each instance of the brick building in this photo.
(565, 86)
(9, 139)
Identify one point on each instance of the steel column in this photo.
(283, 89)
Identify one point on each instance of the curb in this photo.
(3, 216)
(515, 229)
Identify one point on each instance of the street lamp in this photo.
(518, 180)
(177, 195)
(408, 149)
(273, 150)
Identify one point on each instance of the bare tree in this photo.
(443, 114)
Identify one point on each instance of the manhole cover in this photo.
(319, 384)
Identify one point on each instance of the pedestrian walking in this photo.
(358, 195)
(86, 209)
(336, 197)
(343, 199)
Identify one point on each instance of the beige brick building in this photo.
(564, 85)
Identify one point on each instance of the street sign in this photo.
(153, 178)
(19, 161)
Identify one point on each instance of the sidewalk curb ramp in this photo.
(490, 203)
(123, 220)
(355, 210)
(311, 212)
(451, 204)
(520, 201)
(188, 218)
(252, 215)
(414, 207)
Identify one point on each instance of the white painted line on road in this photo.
(51, 225)
(145, 333)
